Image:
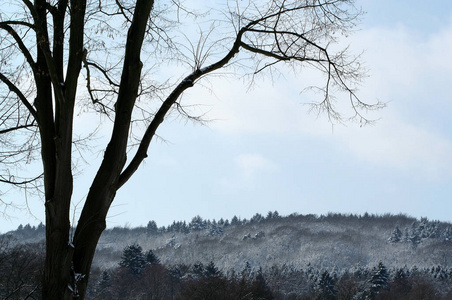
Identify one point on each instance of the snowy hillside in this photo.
(332, 241)
(272, 257)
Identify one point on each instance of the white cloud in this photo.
(438, 55)
(405, 70)
(247, 172)
(250, 164)
(400, 145)
(268, 108)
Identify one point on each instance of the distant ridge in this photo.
(338, 241)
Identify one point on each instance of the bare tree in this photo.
(108, 56)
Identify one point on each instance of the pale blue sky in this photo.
(265, 152)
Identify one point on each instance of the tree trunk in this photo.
(68, 262)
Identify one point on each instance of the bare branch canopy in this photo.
(62, 57)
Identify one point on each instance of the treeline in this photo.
(140, 275)
(419, 231)
(416, 232)
(212, 227)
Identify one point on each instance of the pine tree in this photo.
(151, 258)
(269, 215)
(235, 221)
(259, 287)
(41, 226)
(151, 228)
(415, 237)
(133, 259)
(197, 223)
(211, 270)
(103, 286)
(257, 218)
(326, 287)
(198, 270)
(380, 279)
(214, 229)
(396, 235)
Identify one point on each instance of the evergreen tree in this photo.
(269, 215)
(133, 259)
(198, 270)
(401, 273)
(103, 286)
(197, 223)
(326, 287)
(235, 221)
(396, 235)
(41, 226)
(211, 270)
(214, 229)
(151, 228)
(259, 287)
(415, 236)
(184, 228)
(406, 236)
(151, 258)
(257, 218)
(380, 279)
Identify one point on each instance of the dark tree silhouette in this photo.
(61, 57)
(151, 258)
(133, 259)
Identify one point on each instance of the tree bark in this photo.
(103, 189)
(56, 139)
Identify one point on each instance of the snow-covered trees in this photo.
(396, 235)
(135, 260)
(197, 223)
(380, 279)
(103, 286)
(420, 230)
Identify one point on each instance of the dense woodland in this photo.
(266, 257)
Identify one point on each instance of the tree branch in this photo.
(186, 83)
(20, 44)
(17, 128)
(13, 88)
(23, 182)
(44, 44)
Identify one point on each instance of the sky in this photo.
(263, 151)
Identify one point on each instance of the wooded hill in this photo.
(333, 241)
(296, 257)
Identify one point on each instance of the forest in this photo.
(334, 256)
